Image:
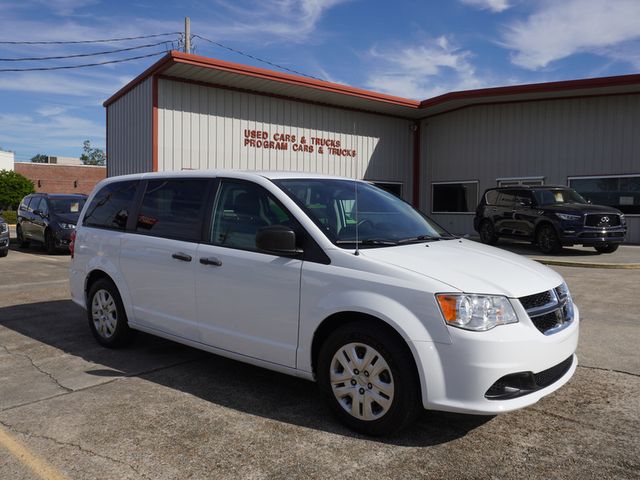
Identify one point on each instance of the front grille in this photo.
(536, 300)
(549, 311)
(602, 220)
(553, 374)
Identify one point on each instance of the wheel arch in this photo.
(97, 273)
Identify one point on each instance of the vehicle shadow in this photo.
(36, 249)
(61, 324)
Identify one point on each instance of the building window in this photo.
(454, 197)
(621, 192)
(514, 181)
(391, 187)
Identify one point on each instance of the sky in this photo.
(410, 48)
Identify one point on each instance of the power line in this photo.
(107, 52)
(106, 40)
(255, 58)
(66, 67)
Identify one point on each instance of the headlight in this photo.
(565, 216)
(476, 312)
(3, 228)
(66, 226)
(623, 220)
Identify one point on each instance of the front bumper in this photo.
(590, 236)
(457, 376)
(4, 241)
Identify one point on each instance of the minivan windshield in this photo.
(67, 205)
(558, 196)
(370, 217)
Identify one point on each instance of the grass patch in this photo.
(10, 216)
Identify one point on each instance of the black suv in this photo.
(48, 219)
(551, 217)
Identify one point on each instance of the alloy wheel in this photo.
(104, 313)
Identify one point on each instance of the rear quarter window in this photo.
(110, 207)
(491, 197)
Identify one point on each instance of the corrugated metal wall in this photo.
(554, 138)
(202, 127)
(129, 129)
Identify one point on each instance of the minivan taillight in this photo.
(72, 242)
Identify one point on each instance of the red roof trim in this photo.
(174, 57)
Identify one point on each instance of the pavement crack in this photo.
(609, 370)
(74, 445)
(37, 367)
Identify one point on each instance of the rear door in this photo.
(248, 301)
(504, 212)
(158, 259)
(39, 222)
(27, 224)
(524, 213)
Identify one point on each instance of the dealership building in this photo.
(192, 112)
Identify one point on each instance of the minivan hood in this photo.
(470, 267)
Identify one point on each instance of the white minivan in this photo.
(328, 279)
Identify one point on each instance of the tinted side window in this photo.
(243, 208)
(173, 208)
(24, 205)
(523, 198)
(111, 206)
(491, 197)
(42, 206)
(507, 198)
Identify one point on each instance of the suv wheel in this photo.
(488, 233)
(606, 247)
(547, 240)
(4, 253)
(106, 315)
(368, 379)
(20, 237)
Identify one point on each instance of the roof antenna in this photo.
(355, 205)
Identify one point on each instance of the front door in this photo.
(248, 301)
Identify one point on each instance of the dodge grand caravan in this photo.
(328, 279)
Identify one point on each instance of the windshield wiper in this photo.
(418, 239)
(368, 241)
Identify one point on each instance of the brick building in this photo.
(57, 178)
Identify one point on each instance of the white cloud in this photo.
(422, 71)
(559, 29)
(493, 5)
(58, 83)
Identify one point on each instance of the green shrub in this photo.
(10, 216)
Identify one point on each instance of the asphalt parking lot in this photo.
(158, 410)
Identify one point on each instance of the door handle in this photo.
(181, 256)
(216, 262)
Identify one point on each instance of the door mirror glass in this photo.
(277, 239)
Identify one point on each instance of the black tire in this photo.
(22, 243)
(547, 240)
(49, 242)
(488, 233)
(405, 402)
(4, 253)
(119, 336)
(606, 248)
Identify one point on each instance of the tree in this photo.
(40, 158)
(92, 156)
(13, 187)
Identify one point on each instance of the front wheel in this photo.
(22, 242)
(488, 233)
(547, 240)
(106, 315)
(606, 248)
(368, 379)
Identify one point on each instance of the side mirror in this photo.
(277, 239)
(526, 203)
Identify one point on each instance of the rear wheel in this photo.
(488, 233)
(547, 240)
(368, 379)
(106, 315)
(606, 247)
(22, 242)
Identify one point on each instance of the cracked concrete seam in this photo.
(602, 369)
(37, 367)
(73, 445)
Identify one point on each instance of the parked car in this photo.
(327, 279)
(4, 238)
(48, 219)
(551, 217)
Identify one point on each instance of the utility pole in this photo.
(187, 35)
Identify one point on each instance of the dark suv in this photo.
(48, 219)
(551, 217)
